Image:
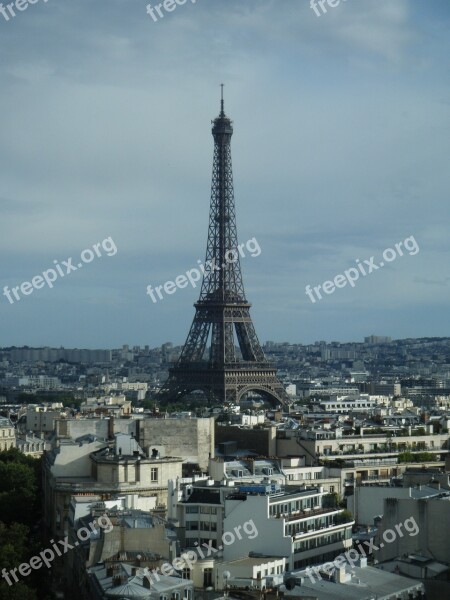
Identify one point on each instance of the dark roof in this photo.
(204, 496)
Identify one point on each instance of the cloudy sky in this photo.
(340, 150)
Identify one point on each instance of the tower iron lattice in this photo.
(222, 356)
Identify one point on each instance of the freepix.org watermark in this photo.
(364, 268)
(157, 12)
(62, 269)
(47, 556)
(10, 9)
(189, 558)
(193, 276)
(314, 4)
(352, 556)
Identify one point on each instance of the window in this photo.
(154, 474)
(186, 574)
(192, 510)
(207, 577)
(205, 510)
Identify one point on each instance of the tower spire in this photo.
(222, 103)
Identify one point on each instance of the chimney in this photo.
(111, 428)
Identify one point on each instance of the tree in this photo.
(13, 544)
(343, 517)
(20, 497)
(20, 512)
(18, 591)
(330, 500)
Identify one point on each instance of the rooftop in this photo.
(366, 584)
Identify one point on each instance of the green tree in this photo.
(13, 544)
(17, 493)
(330, 500)
(18, 591)
(343, 517)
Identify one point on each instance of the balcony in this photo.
(322, 529)
(307, 514)
(382, 452)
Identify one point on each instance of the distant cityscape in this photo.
(379, 365)
(351, 477)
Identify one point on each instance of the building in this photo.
(89, 466)
(367, 502)
(193, 439)
(18, 355)
(345, 404)
(431, 516)
(7, 435)
(117, 406)
(32, 445)
(134, 537)
(293, 522)
(129, 582)
(42, 419)
(250, 470)
(377, 339)
(298, 474)
(354, 582)
(331, 445)
(261, 441)
(102, 427)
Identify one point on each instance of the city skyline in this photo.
(339, 155)
(131, 345)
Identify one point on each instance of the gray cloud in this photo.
(340, 150)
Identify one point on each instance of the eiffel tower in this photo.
(210, 361)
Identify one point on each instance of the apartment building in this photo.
(288, 522)
(42, 419)
(118, 406)
(320, 444)
(132, 538)
(88, 466)
(246, 470)
(293, 522)
(32, 445)
(285, 471)
(345, 404)
(298, 474)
